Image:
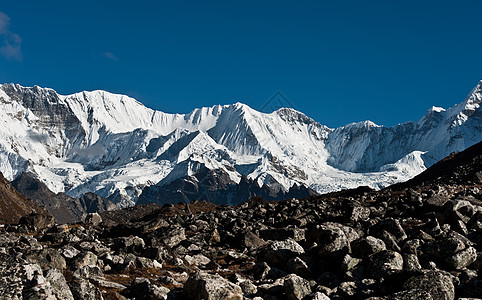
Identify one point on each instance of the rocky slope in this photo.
(422, 240)
(62, 207)
(13, 204)
(114, 146)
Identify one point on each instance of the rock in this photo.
(300, 267)
(367, 246)
(329, 238)
(272, 289)
(36, 221)
(202, 286)
(197, 260)
(445, 247)
(142, 288)
(59, 285)
(462, 258)
(251, 241)
(347, 289)
(320, 296)
(459, 210)
(278, 253)
(295, 287)
(171, 236)
(349, 263)
(382, 262)
(84, 290)
(131, 243)
(51, 259)
(410, 295)
(83, 259)
(438, 284)
(93, 219)
(69, 252)
(263, 271)
(410, 262)
(281, 234)
(360, 213)
(214, 237)
(248, 287)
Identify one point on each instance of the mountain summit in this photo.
(116, 147)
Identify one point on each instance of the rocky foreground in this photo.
(420, 240)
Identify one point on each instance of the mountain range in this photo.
(117, 148)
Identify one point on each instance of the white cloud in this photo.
(4, 21)
(110, 56)
(10, 43)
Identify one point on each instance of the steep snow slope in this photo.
(116, 147)
(366, 147)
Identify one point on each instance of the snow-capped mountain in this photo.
(116, 147)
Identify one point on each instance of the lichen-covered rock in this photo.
(438, 284)
(462, 258)
(203, 286)
(84, 290)
(278, 253)
(59, 285)
(367, 246)
(295, 287)
(382, 262)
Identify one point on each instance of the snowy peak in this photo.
(113, 145)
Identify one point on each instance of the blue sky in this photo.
(336, 61)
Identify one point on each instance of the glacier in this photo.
(116, 147)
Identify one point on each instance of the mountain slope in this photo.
(114, 146)
(13, 205)
(62, 207)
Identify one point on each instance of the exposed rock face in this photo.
(64, 208)
(419, 242)
(216, 187)
(13, 205)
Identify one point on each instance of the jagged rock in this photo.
(438, 283)
(272, 289)
(83, 259)
(93, 219)
(197, 260)
(295, 287)
(319, 296)
(445, 247)
(348, 289)
(251, 240)
(383, 262)
(329, 238)
(171, 236)
(50, 259)
(411, 262)
(202, 286)
(360, 213)
(59, 285)
(299, 266)
(37, 221)
(142, 288)
(462, 258)
(279, 252)
(130, 244)
(248, 287)
(84, 290)
(367, 246)
(461, 210)
(263, 271)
